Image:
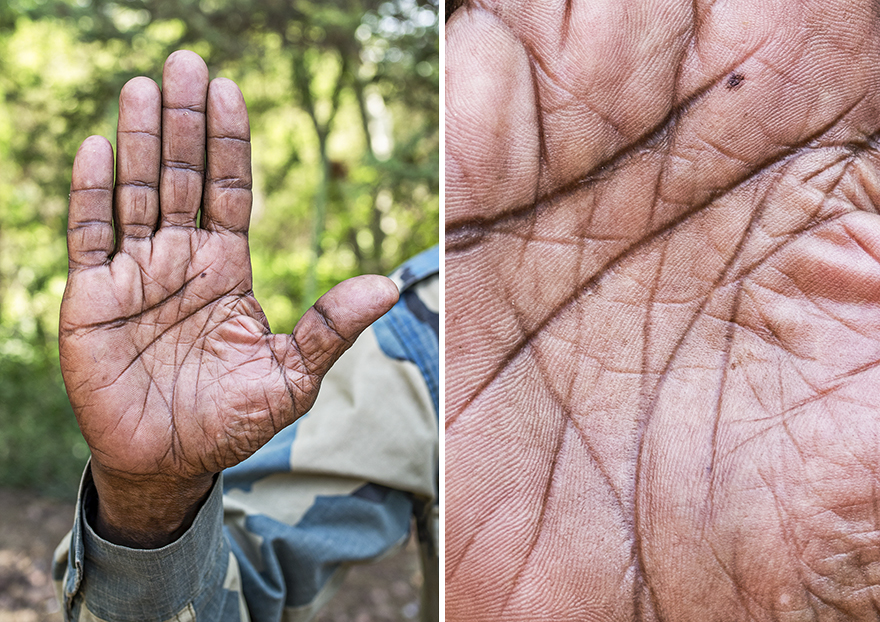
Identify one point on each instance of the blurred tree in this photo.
(344, 106)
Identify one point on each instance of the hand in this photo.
(167, 357)
(663, 326)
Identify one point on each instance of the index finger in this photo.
(227, 205)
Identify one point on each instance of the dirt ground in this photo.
(31, 527)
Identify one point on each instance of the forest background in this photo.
(344, 108)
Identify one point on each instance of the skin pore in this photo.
(663, 310)
(168, 360)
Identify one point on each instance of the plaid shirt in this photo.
(277, 532)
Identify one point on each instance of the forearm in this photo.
(143, 513)
(193, 576)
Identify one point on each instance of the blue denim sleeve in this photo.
(194, 577)
(340, 486)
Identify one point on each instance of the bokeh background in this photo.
(344, 106)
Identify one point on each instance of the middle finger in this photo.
(184, 96)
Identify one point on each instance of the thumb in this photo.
(328, 329)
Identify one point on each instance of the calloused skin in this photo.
(663, 310)
(168, 360)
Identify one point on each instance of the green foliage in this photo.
(344, 105)
(40, 445)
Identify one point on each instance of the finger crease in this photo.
(195, 109)
(233, 138)
(139, 132)
(185, 166)
(232, 183)
(136, 183)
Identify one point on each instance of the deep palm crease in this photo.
(663, 311)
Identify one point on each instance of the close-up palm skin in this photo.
(168, 360)
(663, 310)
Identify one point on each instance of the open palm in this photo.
(663, 326)
(167, 357)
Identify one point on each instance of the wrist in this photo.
(145, 512)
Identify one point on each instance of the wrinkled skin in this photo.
(663, 310)
(167, 357)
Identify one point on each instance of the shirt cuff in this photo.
(127, 585)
